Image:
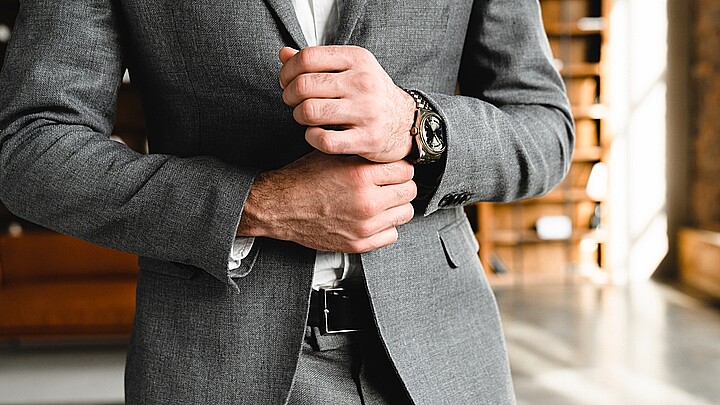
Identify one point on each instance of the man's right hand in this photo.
(333, 203)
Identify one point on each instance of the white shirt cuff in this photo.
(240, 249)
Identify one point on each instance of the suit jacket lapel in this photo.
(350, 13)
(286, 15)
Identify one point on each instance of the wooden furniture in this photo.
(56, 286)
(699, 242)
(53, 285)
(699, 252)
(510, 247)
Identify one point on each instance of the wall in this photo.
(705, 191)
(637, 92)
(680, 127)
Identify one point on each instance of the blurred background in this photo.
(608, 286)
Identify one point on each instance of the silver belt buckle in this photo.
(326, 295)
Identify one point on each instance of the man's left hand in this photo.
(348, 102)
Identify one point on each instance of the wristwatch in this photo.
(428, 132)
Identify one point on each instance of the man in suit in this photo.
(265, 159)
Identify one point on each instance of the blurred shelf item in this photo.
(582, 26)
(579, 69)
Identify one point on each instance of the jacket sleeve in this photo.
(510, 131)
(58, 167)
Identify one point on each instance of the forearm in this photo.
(59, 168)
(182, 210)
(502, 154)
(510, 132)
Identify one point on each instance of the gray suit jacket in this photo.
(208, 72)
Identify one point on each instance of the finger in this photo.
(384, 238)
(318, 59)
(314, 85)
(319, 111)
(335, 140)
(401, 215)
(386, 174)
(347, 135)
(381, 239)
(372, 209)
(285, 54)
(394, 195)
(382, 231)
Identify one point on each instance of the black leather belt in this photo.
(340, 310)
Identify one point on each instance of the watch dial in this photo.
(434, 137)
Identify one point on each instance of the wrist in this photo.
(404, 117)
(255, 215)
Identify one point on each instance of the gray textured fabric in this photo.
(208, 74)
(345, 369)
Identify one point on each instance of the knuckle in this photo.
(391, 171)
(363, 174)
(364, 82)
(324, 79)
(286, 97)
(404, 194)
(309, 111)
(367, 208)
(306, 56)
(302, 85)
(325, 142)
(284, 76)
(364, 230)
(362, 53)
(371, 138)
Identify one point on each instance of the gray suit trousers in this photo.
(346, 369)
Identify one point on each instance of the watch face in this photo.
(434, 136)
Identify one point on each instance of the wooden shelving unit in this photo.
(511, 248)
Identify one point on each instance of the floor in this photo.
(587, 344)
(68, 375)
(569, 344)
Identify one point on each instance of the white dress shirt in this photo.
(318, 20)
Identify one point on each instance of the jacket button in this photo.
(446, 201)
(454, 199)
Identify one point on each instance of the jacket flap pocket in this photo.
(458, 242)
